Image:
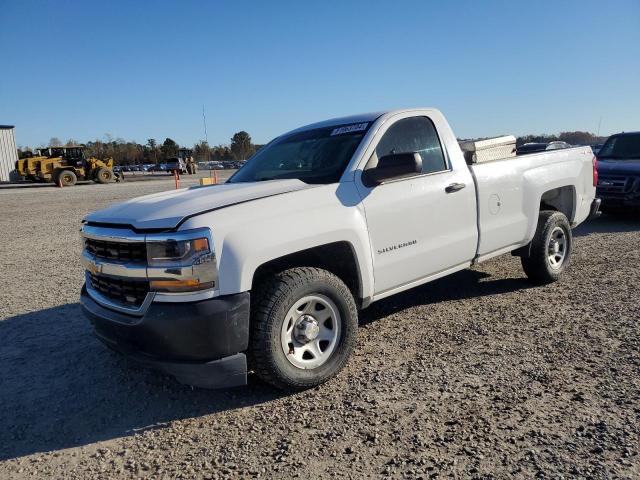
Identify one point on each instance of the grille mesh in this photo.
(126, 292)
(612, 185)
(121, 251)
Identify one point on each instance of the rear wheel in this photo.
(67, 178)
(104, 175)
(303, 328)
(550, 250)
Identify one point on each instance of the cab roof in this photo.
(359, 118)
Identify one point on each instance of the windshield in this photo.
(313, 156)
(621, 147)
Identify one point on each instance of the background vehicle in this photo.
(176, 165)
(557, 145)
(273, 265)
(190, 165)
(596, 147)
(619, 173)
(65, 165)
(533, 147)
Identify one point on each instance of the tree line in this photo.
(240, 147)
(125, 152)
(572, 138)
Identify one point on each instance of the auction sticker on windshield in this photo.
(356, 127)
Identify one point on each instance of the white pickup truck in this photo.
(266, 273)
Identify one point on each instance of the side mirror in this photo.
(392, 167)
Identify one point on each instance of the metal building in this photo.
(8, 152)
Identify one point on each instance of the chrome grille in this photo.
(611, 185)
(120, 251)
(127, 292)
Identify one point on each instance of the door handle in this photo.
(454, 187)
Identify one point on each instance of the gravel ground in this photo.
(475, 375)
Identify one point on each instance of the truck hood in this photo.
(619, 167)
(165, 210)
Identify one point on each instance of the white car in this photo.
(267, 272)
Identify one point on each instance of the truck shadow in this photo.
(609, 224)
(458, 286)
(61, 388)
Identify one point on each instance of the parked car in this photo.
(531, 147)
(176, 165)
(619, 173)
(596, 147)
(534, 147)
(273, 265)
(557, 145)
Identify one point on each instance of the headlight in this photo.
(181, 262)
(176, 253)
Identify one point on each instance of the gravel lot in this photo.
(475, 375)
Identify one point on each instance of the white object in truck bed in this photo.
(490, 149)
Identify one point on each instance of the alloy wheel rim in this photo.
(557, 248)
(311, 331)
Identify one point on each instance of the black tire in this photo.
(270, 304)
(67, 178)
(537, 265)
(104, 175)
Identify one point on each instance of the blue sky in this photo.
(80, 69)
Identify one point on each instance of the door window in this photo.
(414, 135)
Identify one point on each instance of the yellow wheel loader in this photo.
(64, 165)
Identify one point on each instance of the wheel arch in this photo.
(338, 257)
(560, 199)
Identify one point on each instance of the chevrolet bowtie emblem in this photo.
(93, 267)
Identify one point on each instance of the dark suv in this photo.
(619, 173)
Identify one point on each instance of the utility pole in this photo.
(206, 138)
(204, 122)
(599, 123)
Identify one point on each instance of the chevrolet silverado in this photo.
(267, 272)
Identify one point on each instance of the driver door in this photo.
(418, 226)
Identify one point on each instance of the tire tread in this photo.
(265, 300)
(535, 264)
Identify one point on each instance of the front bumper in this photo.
(200, 343)
(629, 201)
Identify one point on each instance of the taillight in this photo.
(594, 162)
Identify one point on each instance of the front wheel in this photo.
(104, 175)
(67, 178)
(550, 250)
(303, 328)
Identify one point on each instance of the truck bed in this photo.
(505, 188)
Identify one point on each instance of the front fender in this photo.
(251, 234)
